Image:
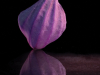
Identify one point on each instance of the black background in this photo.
(80, 37)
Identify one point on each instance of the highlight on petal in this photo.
(42, 23)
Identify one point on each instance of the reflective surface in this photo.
(75, 64)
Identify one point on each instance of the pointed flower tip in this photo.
(42, 23)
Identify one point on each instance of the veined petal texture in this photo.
(42, 23)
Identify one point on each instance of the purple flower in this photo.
(42, 23)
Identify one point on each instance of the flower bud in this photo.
(42, 23)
